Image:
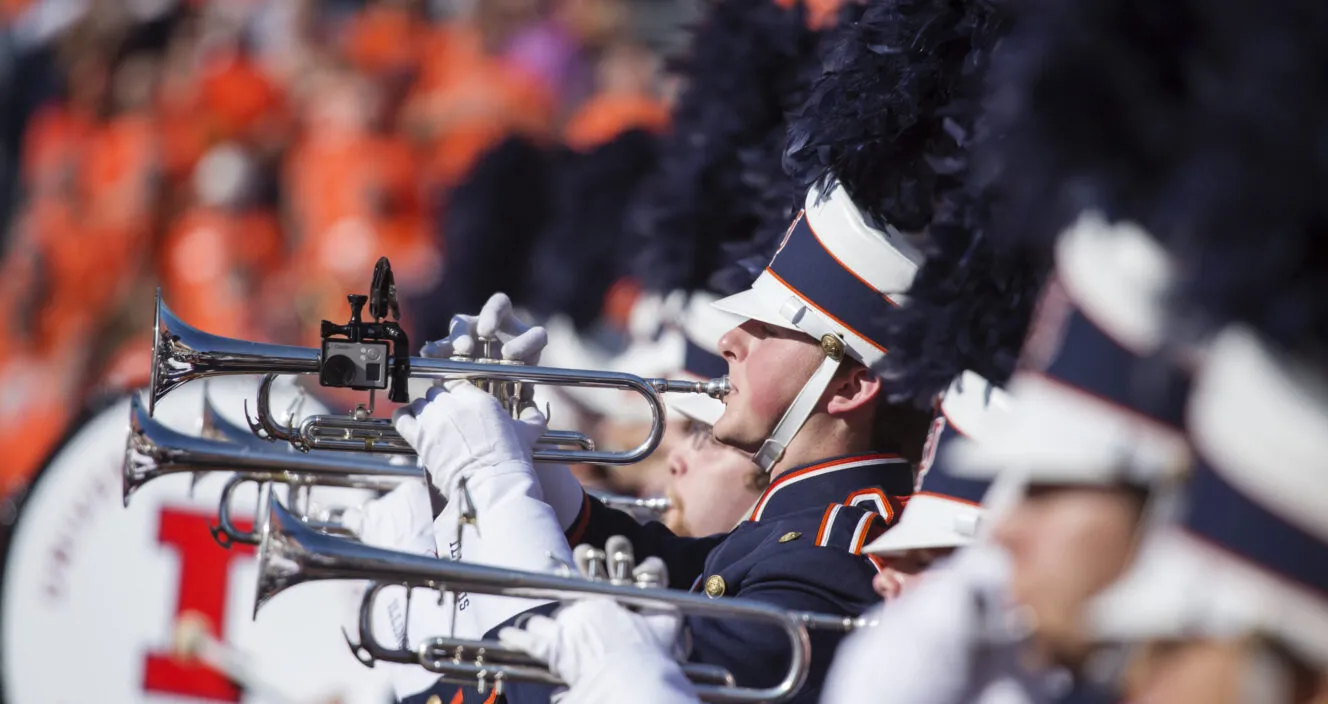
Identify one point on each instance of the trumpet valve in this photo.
(590, 561)
(621, 559)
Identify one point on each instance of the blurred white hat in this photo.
(1250, 556)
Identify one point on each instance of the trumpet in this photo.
(154, 450)
(182, 353)
(654, 505)
(364, 434)
(293, 553)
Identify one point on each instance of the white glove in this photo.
(523, 344)
(463, 432)
(559, 488)
(520, 342)
(945, 630)
(401, 519)
(602, 651)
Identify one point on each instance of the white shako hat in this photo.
(1096, 399)
(832, 278)
(1249, 555)
(946, 511)
(702, 325)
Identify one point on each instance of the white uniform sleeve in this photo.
(606, 653)
(630, 676)
(513, 528)
(921, 651)
(402, 520)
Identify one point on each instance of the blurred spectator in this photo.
(254, 158)
(221, 247)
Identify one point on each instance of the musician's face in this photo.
(901, 572)
(768, 366)
(710, 485)
(1066, 544)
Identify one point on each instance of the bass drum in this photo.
(92, 590)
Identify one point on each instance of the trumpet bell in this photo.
(182, 353)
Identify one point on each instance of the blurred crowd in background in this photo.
(254, 158)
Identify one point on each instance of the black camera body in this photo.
(368, 355)
(355, 365)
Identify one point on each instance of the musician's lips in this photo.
(675, 504)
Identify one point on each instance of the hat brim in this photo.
(1181, 588)
(758, 303)
(753, 304)
(928, 522)
(1056, 434)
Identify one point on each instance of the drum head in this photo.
(91, 590)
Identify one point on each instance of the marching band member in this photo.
(1235, 198)
(711, 486)
(1225, 603)
(1098, 455)
(1230, 604)
(965, 286)
(807, 406)
(763, 303)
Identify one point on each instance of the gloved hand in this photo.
(602, 650)
(520, 342)
(463, 432)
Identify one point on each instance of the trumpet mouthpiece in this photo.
(718, 388)
(714, 388)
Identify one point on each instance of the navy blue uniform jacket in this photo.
(800, 549)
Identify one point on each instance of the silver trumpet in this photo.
(361, 433)
(293, 553)
(154, 450)
(654, 505)
(182, 353)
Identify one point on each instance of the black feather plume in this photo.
(875, 116)
(747, 66)
(1204, 121)
(895, 118)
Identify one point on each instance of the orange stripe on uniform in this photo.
(785, 478)
(825, 523)
(865, 533)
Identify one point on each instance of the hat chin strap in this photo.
(772, 450)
